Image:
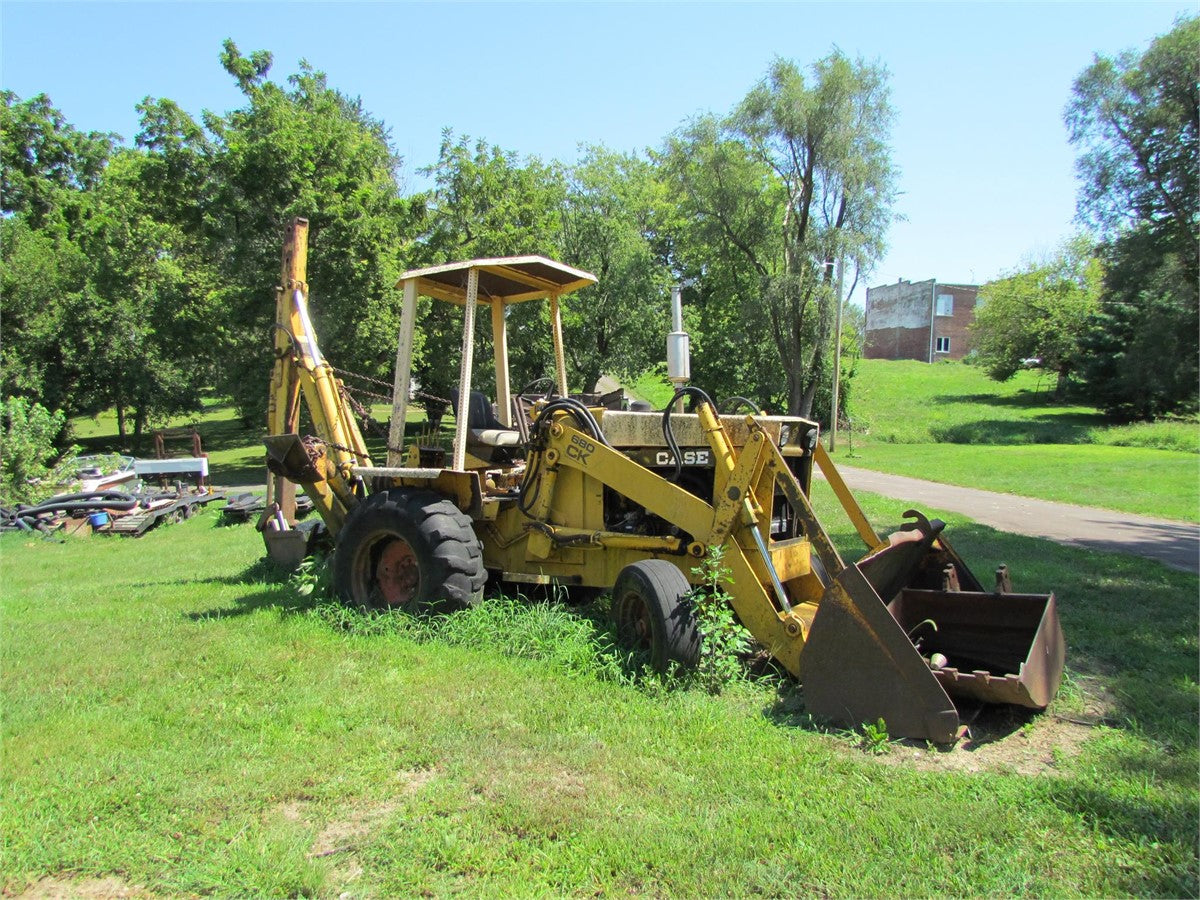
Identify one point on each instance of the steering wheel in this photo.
(545, 379)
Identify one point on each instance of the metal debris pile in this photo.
(108, 511)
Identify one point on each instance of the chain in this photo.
(416, 395)
(359, 375)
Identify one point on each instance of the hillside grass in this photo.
(909, 402)
(949, 422)
(1158, 483)
(177, 719)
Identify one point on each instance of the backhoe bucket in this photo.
(286, 548)
(885, 644)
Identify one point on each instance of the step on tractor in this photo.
(584, 492)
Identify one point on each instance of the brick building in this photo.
(921, 320)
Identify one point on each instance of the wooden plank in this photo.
(500, 347)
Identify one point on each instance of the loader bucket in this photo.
(286, 548)
(998, 648)
(885, 644)
(859, 666)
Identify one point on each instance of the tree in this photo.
(797, 177)
(485, 202)
(1135, 120)
(43, 158)
(300, 150)
(44, 283)
(1039, 312)
(47, 171)
(152, 290)
(609, 214)
(1141, 351)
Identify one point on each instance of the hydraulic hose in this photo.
(583, 418)
(669, 433)
(732, 403)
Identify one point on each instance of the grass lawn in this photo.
(179, 720)
(949, 422)
(1132, 479)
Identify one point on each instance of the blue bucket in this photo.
(98, 519)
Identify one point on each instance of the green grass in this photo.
(1136, 480)
(653, 387)
(948, 422)
(235, 453)
(177, 718)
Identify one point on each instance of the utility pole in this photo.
(837, 355)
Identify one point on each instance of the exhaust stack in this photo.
(679, 357)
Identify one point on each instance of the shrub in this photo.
(725, 639)
(27, 451)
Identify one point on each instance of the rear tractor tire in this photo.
(652, 614)
(408, 549)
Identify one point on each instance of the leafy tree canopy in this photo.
(798, 176)
(1038, 312)
(43, 158)
(1135, 120)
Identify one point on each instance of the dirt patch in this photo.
(338, 839)
(1038, 748)
(354, 822)
(61, 887)
(342, 835)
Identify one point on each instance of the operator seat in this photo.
(487, 436)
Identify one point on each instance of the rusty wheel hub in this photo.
(397, 575)
(634, 622)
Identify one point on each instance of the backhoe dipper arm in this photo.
(322, 466)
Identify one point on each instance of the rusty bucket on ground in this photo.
(908, 630)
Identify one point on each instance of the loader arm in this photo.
(776, 622)
(856, 635)
(321, 464)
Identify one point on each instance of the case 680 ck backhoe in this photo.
(548, 489)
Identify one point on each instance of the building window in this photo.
(945, 305)
(943, 345)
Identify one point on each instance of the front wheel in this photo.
(409, 549)
(653, 615)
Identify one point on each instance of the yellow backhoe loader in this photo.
(548, 489)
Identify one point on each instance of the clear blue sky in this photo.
(986, 173)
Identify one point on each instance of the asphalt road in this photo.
(1176, 544)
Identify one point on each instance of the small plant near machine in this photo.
(724, 639)
(876, 739)
(312, 579)
(28, 471)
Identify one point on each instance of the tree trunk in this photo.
(139, 424)
(1060, 385)
(795, 383)
(811, 380)
(121, 422)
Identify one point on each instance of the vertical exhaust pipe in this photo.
(679, 357)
